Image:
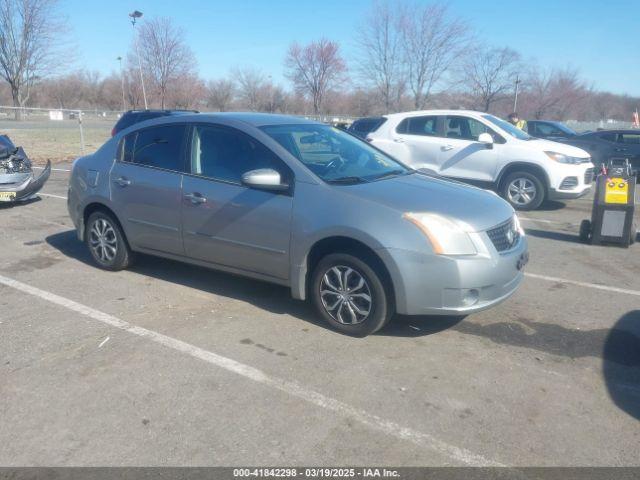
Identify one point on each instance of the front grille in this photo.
(588, 176)
(504, 236)
(569, 183)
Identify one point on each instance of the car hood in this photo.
(472, 208)
(563, 148)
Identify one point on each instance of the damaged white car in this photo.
(17, 182)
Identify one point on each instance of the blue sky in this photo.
(595, 36)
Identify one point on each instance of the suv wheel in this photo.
(523, 190)
(350, 295)
(107, 243)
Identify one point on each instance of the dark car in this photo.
(605, 144)
(364, 126)
(135, 116)
(549, 130)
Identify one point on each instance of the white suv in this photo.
(482, 149)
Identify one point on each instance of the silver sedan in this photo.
(301, 204)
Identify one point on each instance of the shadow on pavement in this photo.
(621, 363)
(272, 298)
(553, 235)
(550, 206)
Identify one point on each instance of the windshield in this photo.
(515, 132)
(333, 155)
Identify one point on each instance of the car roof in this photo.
(416, 113)
(250, 118)
(622, 130)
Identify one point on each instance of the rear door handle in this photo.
(447, 147)
(398, 140)
(123, 181)
(195, 198)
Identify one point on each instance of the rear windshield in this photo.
(365, 126)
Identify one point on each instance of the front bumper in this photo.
(570, 181)
(427, 284)
(569, 194)
(17, 187)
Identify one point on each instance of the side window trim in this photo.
(189, 145)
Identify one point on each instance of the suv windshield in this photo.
(333, 155)
(507, 127)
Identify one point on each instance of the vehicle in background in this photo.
(301, 204)
(364, 126)
(17, 181)
(484, 150)
(549, 130)
(603, 145)
(132, 117)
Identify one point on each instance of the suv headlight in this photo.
(446, 236)
(562, 158)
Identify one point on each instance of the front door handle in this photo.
(447, 147)
(123, 181)
(195, 198)
(398, 140)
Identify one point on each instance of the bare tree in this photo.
(314, 69)
(379, 43)
(250, 86)
(28, 44)
(220, 94)
(433, 41)
(489, 73)
(165, 55)
(554, 93)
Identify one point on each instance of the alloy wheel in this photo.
(346, 295)
(103, 241)
(521, 191)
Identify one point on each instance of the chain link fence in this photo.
(64, 134)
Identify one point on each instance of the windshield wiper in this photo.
(391, 173)
(347, 180)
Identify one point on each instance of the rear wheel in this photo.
(106, 242)
(523, 190)
(349, 293)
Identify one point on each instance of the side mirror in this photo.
(487, 139)
(264, 179)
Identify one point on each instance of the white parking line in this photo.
(61, 197)
(421, 439)
(53, 169)
(540, 220)
(583, 284)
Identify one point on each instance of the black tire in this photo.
(585, 231)
(381, 307)
(528, 179)
(633, 233)
(113, 237)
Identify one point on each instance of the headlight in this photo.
(516, 224)
(562, 158)
(446, 237)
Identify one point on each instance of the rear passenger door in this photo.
(422, 141)
(146, 182)
(226, 223)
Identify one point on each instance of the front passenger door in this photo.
(462, 155)
(226, 223)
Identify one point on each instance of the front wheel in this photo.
(523, 190)
(350, 295)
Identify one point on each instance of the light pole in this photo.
(135, 15)
(124, 103)
(515, 100)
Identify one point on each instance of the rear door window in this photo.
(629, 138)
(424, 126)
(158, 147)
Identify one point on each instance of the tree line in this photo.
(408, 56)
